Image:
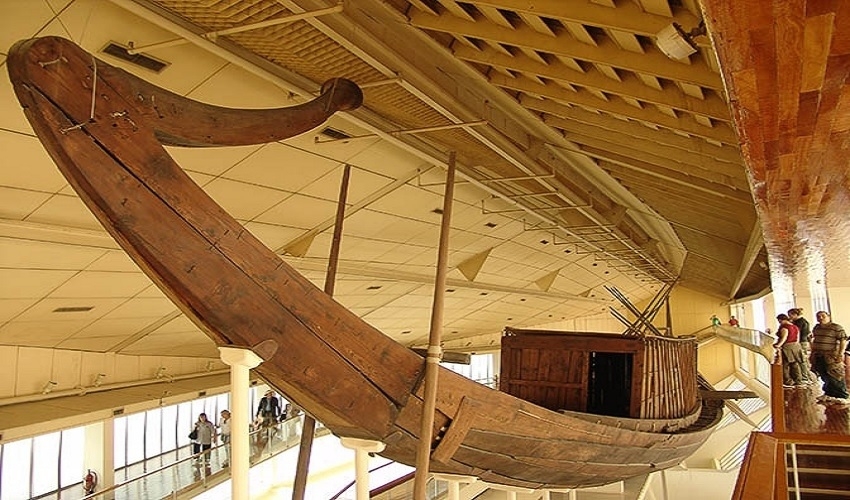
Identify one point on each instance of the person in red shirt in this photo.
(733, 321)
(793, 361)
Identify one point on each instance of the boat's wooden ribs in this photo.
(457, 431)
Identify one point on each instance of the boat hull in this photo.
(348, 375)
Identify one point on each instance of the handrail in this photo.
(104, 492)
(764, 471)
(351, 483)
(392, 484)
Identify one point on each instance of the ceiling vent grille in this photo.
(74, 309)
(334, 133)
(141, 60)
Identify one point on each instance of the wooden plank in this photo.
(704, 394)
(605, 52)
(627, 16)
(458, 428)
(756, 479)
(558, 99)
(606, 79)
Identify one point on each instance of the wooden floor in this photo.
(804, 414)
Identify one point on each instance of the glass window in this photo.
(185, 421)
(15, 476)
(45, 453)
(169, 432)
(120, 430)
(153, 433)
(135, 438)
(71, 465)
(762, 370)
(744, 357)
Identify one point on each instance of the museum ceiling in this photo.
(587, 158)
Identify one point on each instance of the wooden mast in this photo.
(432, 360)
(309, 428)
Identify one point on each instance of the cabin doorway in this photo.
(610, 383)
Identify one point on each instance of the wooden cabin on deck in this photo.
(605, 374)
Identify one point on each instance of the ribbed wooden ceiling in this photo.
(574, 93)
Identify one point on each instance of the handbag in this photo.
(193, 434)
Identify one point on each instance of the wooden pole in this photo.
(432, 360)
(309, 429)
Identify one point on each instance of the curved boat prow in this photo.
(52, 66)
(105, 129)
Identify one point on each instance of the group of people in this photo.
(204, 434)
(821, 350)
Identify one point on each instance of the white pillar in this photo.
(100, 452)
(240, 361)
(362, 448)
(453, 481)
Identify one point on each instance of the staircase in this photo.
(823, 472)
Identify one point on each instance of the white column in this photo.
(240, 361)
(454, 481)
(100, 452)
(362, 448)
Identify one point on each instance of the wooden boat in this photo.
(105, 129)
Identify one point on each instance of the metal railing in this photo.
(202, 470)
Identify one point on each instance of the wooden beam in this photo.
(627, 85)
(700, 192)
(721, 133)
(733, 187)
(299, 486)
(707, 168)
(457, 431)
(653, 62)
(432, 359)
(727, 394)
(627, 16)
(754, 246)
(639, 131)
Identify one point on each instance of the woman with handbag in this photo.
(203, 435)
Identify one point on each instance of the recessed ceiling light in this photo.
(450, 290)
(522, 299)
(373, 287)
(491, 224)
(544, 242)
(483, 293)
(437, 211)
(568, 251)
(405, 332)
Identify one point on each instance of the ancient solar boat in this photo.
(106, 128)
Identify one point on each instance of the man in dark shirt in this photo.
(828, 344)
(269, 409)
